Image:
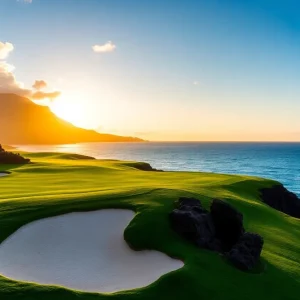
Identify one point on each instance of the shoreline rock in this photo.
(279, 198)
(219, 230)
(11, 158)
(146, 167)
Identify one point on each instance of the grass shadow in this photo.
(4, 168)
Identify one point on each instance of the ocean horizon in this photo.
(274, 160)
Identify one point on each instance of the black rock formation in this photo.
(246, 252)
(219, 230)
(191, 203)
(146, 167)
(228, 223)
(281, 199)
(194, 223)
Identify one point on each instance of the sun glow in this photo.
(72, 111)
(91, 112)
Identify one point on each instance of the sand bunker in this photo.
(3, 174)
(84, 251)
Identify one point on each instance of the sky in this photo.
(161, 70)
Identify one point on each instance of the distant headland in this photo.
(24, 122)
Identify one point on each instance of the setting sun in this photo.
(71, 111)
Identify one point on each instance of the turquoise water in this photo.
(279, 161)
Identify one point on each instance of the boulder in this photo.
(206, 237)
(189, 202)
(219, 230)
(246, 253)
(194, 223)
(195, 226)
(184, 222)
(228, 223)
(281, 199)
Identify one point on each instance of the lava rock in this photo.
(206, 237)
(194, 223)
(195, 226)
(184, 222)
(228, 223)
(246, 253)
(281, 199)
(146, 167)
(219, 230)
(189, 202)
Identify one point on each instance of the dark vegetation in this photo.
(11, 158)
(219, 230)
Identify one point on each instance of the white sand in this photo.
(3, 174)
(84, 251)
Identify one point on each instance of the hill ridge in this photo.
(24, 122)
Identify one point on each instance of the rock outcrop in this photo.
(246, 252)
(11, 158)
(146, 167)
(281, 199)
(194, 223)
(228, 223)
(219, 230)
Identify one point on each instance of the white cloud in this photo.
(107, 47)
(5, 49)
(9, 83)
(39, 85)
(25, 1)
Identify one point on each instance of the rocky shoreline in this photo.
(281, 199)
(221, 228)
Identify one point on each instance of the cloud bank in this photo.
(107, 47)
(9, 83)
(5, 49)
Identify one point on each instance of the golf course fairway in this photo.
(55, 184)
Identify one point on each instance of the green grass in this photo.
(60, 183)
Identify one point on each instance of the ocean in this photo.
(278, 161)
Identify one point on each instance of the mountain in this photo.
(24, 122)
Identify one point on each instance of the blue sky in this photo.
(181, 70)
